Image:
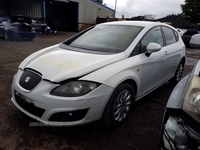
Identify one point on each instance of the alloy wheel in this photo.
(122, 105)
(179, 72)
(6, 35)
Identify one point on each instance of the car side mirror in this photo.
(152, 48)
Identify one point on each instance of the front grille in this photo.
(69, 116)
(29, 79)
(29, 106)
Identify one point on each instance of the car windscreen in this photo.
(20, 19)
(106, 38)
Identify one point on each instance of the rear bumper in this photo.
(18, 34)
(26, 34)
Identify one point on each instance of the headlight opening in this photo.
(191, 104)
(74, 88)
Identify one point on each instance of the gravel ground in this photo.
(140, 132)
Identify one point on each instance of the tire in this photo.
(30, 39)
(119, 105)
(178, 73)
(6, 36)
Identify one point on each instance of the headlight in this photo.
(74, 88)
(191, 104)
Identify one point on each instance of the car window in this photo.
(169, 35)
(153, 36)
(107, 38)
(136, 50)
(176, 35)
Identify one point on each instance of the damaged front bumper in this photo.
(180, 132)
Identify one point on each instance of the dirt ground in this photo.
(140, 132)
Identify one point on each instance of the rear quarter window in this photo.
(176, 35)
(169, 35)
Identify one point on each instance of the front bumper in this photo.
(195, 45)
(59, 111)
(180, 132)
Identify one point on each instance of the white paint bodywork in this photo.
(57, 64)
(181, 31)
(176, 132)
(195, 41)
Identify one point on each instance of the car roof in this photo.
(133, 23)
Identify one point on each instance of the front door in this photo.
(153, 67)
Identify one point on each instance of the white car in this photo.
(195, 41)
(181, 31)
(181, 120)
(98, 73)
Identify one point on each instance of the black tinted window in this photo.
(169, 35)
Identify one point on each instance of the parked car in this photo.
(17, 27)
(195, 41)
(39, 26)
(2, 17)
(99, 73)
(187, 36)
(181, 121)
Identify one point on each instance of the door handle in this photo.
(166, 53)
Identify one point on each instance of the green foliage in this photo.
(191, 11)
(100, 1)
(173, 15)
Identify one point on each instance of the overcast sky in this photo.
(131, 8)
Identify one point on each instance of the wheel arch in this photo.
(132, 83)
(183, 60)
(105, 117)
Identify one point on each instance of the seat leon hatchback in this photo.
(98, 73)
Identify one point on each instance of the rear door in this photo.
(173, 51)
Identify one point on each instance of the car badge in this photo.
(27, 79)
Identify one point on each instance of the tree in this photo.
(191, 11)
(100, 1)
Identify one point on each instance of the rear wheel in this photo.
(119, 105)
(179, 72)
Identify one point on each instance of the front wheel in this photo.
(30, 39)
(6, 36)
(178, 74)
(119, 105)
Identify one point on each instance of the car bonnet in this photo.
(57, 64)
